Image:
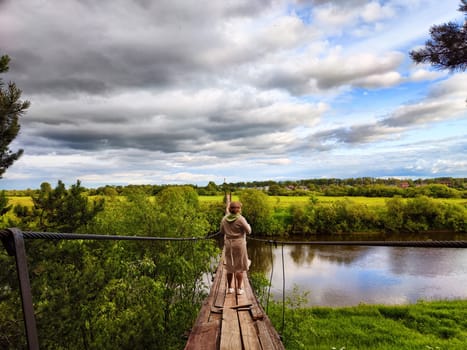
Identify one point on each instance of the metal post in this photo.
(25, 288)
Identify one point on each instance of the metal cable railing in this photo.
(428, 244)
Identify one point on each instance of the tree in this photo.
(4, 208)
(11, 108)
(65, 210)
(257, 210)
(447, 48)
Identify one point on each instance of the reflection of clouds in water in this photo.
(435, 261)
(373, 275)
(340, 254)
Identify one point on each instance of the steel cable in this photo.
(430, 243)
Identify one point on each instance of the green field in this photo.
(287, 201)
(283, 201)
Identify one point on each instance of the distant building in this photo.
(404, 184)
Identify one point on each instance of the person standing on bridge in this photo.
(234, 227)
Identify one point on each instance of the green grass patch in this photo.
(424, 325)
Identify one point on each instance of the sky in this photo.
(187, 92)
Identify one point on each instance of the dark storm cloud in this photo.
(122, 44)
(61, 53)
(182, 131)
(98, 140)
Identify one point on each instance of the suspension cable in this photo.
(77, 236)
(431, 243)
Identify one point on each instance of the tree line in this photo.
(411, 210)
(413, 215)
(442, 187)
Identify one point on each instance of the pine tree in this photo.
(11, 108)
(447, 48)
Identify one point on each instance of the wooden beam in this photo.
(230, 328)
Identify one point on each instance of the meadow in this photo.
(287, 201)
(281, 201)
(424, 325)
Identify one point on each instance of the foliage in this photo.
(260, 285)
(423, 214)
(425, 325)
(4, 207)
(210, 190)
(115, 294)
(11, 108)
(257, 210)
(213, 212)
(418, 214)
(63, 210)
(447, 48)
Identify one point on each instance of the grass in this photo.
(424, 325)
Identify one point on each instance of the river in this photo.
(350, 275)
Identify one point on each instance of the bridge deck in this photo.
(230, 321)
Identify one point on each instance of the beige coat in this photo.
(235, 231)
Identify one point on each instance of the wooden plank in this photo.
(206, 330)
(230, 329)
(256, 310)
(222, 287)
(204, 336)
(268, 336)
(249, 335)
(263, 336)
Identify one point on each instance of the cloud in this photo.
(146, 91)
(423, 74)
(302, 76)
(444, 102)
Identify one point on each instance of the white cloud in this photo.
(373, 11)
(424, 74)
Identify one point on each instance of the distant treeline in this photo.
(442, 187)
(70, 208)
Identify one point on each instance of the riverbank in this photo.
(424, 325)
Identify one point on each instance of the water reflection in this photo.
(349, 275)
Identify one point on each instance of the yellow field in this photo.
(287, 201)
(24, 201)
(281, 201)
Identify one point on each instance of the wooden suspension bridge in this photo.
(226, 321)
(232, 321)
